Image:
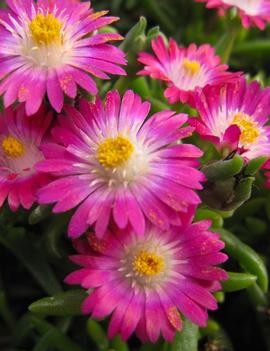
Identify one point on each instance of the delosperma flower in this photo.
(20, 140)
(234, 118)
(184, 69)
(51, 47)
(114, 164)
(252, 12)
(147, 283)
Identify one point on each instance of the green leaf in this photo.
(217, 220)
(39, 214)
(31, 257)
(253, 47)
(242, 193)
(225, 44)
(64, 304)
(254, 165)
(250, 208)
(97, 334)
(222, 170)
(238, 281)
(257, 296)
(187, 339)
(246, 256)
(118, 345)
(59, 341)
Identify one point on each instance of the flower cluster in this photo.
(129, 177)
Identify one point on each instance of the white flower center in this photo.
(187, 74)
(120, 161)
(17, 157)
(149, 262)
(44, 42)
(251, 7)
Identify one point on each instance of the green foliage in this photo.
(34, 248)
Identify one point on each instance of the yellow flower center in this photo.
(191, 67)
(248, 128)
(46, 29)
(148, 263)
(114, 152)
(12, 147)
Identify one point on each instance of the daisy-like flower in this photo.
(20, 140)
(50, 47)
(147, 283)
(184, 69)
(234, 118)
(252, 12)
(114, 164)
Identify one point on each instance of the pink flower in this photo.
(252, 12)
(234, 118)
(114, 164)
(145, 283)
(20, 140)
(50, 47)
(184, 69)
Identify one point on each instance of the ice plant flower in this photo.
(147, 283)
(20, 140)
(234, 118)
(52, 47)
(252, 12)
(184, 69)
(114, 164)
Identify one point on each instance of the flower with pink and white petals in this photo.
(52, 47)
(184, 69)
(113, 164)
(252, 12)
(147, 283)
(234, 118)
(20, 140)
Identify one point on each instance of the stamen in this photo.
(147, 263)
(248, 128)
(114, 152)
(191, 67)
(46, 29)
(12, 147)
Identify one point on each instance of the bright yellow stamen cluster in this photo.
(114, 152)
(249, 130)
(191, 67)
(147, 263)
(12, 147)
(46, 29)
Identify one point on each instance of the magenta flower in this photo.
(145, 283)
(234, 118)
(20, 140)
(252, 12)
(114, 164)
(184, 69)
(50, 47)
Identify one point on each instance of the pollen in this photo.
(191, 67)
(148, 263)
(248, 128)
(12, 147)
(46, 29)
(114, 152)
